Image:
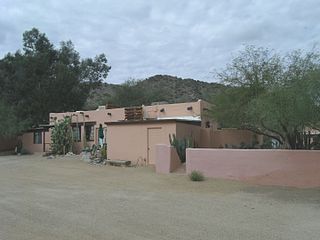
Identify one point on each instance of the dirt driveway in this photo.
(68, 199)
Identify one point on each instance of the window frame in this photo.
(89, 134)
(74, 127)
(37, 137)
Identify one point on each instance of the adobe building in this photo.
(132, 133)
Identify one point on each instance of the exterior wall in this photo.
(130, 141)
(27, 143)
(101, 116)
(185, 130)
(167, 159)
(173, 110)
(298, 168)
(96, 117)
(230, 137)
(118, 114)
(47, 141)
(8, 143)
(206, 138)
(210, 138)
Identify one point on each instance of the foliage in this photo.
(253, 145)
(153, 89)
(131, 94)
(275, 96)
(104, 151)
(181, 145)
(40, 78)
(9, 123)
(196, 176)
(61, 137)
(315, 144)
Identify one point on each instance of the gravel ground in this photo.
(65, 198)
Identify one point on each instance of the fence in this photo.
(298, 168)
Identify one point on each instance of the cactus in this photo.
(181, 145)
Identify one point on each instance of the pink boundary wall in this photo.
(298, 168)
(167, 159)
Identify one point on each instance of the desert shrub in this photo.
(196, 176)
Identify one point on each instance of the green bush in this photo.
(196, 176)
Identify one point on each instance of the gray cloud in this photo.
(189, 38)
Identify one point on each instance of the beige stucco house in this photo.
(132, 133)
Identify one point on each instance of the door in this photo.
(97, 135)
(154, 137)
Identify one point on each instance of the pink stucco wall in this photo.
(173, 110)
(298, 168)
(133, 141)
(167, 159)
(27, 143)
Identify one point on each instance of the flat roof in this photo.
(124, 122)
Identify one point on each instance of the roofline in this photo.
(124, 122)
(160, 105)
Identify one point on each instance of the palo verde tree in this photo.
(42, 78)
(275, 96)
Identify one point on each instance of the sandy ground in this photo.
(68, 199)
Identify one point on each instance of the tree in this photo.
(133, 93)
(10, 125)
(271, 95)
(41, 78)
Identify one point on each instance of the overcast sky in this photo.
(184, 38)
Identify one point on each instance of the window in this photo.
(89, 132)
(37, 137)
(76, 131)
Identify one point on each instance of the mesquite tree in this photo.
(275, 96)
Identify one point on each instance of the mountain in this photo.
(157, 88)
